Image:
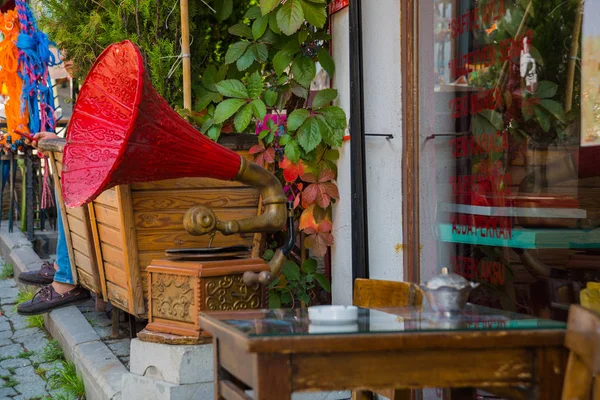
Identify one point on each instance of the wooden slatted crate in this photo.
(130, 225)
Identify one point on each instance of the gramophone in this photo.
(121, 132)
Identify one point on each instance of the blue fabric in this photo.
(64, 273)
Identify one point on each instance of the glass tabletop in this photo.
(267, 323)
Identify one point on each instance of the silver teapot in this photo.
(448, 293)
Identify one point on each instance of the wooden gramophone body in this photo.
(123, 137)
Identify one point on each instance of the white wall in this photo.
(341, 252)
(383, 115)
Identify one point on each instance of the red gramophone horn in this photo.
(122, 131)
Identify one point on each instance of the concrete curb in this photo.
(100, 369)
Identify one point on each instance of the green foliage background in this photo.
(83, 28)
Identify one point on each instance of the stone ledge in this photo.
(70, 328)
(101, 371)
(137, 387)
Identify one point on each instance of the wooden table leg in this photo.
(551, 366)
(273, 379)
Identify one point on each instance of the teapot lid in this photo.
(447, 279)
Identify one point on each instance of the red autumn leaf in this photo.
(291, 171)
(319, 237)
(262, 155)
(297, 200)
(321, 190)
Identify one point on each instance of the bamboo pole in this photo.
(185, 50)
(573, 57)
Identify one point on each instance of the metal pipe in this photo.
(360, 248)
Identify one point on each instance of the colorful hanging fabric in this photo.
(12, 84)
(34, 59)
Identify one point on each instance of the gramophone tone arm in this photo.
(201, 220)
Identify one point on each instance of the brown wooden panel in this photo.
(436, 368)
(113, 255)
(186, 199)
(108, 198)
(80, 244)
(184, 183)
(145, 258)
(86, 280)
(83, 262)
(77, 225)
(115, 274)
(117, 295)
(173, 220)
(79, 213)
(110, 235)
(161, 240)
(58, 157)
(107, 216)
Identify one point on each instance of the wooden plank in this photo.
(173, 220)
(110, 235)
(90, 250)
(186, 184)
(185, 199)
(86, 280)
(76, 225)
(79, 243)
(97, 250)
(230, 390)
(78, 213)
(128, 236)
(115, 275)
(161, 240)
(145, 258)
(108, 198)
(65, 220)
(113, 255)
(117, 295)
(58, 157)
(83, 262)
(107, 216)
(403, 369)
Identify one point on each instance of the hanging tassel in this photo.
(47, 200)
(16, 119)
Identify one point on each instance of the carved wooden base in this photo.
(180, 290)
(167, 338)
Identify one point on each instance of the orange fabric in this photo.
(9, 54)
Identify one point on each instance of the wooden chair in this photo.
(583, 367)
(374, 293)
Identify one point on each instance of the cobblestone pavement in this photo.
(24, 366)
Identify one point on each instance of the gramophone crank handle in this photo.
(276, 263)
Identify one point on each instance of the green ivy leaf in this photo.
(292, 151)
(309, 134)
(324, 97)
(304, 70)
(290, 270)
(266, 6)
(326, 61)
(270, 97)
(299, 90)
(227, 108)
(302, 36)
(546, 89)
(253, 13)
(290, 17)
(285, 139)
(281, 61)
(242, 30)
(214, 132)
(273, 24)
(235, 51)
(527, 112)
(255, 85)
(335, 117)
(309, 265)
(555, 108)
(274, 299)
(207, 125)
(245, 61)
(205, 97)
(324, 282)
(259, 27)
(209, 78)
(242, 118)
(260, 110)
(332, 137)
(315, 14)
(224, 9)
(297, 118)
(268, 255)
(333, 154)
(263, 134)
(542, 117)
(232, 88)
(260, 51)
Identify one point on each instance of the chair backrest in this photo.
(583, 342)
(378, 293)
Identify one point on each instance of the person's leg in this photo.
(63, 278)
